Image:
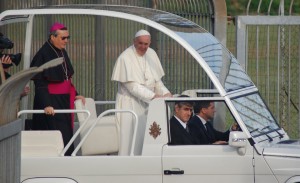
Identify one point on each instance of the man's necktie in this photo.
(209, 132)
(187, 129)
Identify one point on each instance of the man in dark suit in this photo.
(201, 127)
(180, 134)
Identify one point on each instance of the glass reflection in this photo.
(255, 114)
(222, 63)
(220, 60)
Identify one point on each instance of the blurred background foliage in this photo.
(239, 7)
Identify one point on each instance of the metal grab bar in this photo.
(105, 102)
(95, 123)
(55, 111)
(84, 123)
(62, 111)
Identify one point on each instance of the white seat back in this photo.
(41, 143)
(104, 137)
(190, 93)
(89, 105)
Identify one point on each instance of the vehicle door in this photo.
(213, 163)
(206, 163)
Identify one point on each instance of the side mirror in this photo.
(238, 139)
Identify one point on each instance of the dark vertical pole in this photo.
(220, 28)
(220, 21)
(48, 18)
(2, 8)
(100, 65)
(153, 32)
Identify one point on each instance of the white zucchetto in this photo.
(142, 32)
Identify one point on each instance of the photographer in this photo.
(7, 60)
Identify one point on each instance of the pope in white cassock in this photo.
(138, 72)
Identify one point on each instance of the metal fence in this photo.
(268, 47)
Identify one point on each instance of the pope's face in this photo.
(61, 39)
(141, 44)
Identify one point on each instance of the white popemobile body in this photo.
(260, 152)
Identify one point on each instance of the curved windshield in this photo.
(221, 62)
(255, 114)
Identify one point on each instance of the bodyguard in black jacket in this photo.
(201, 127)
(179, 129)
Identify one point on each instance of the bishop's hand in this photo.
(49, 110)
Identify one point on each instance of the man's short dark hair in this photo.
(200, 105)
(184, 103)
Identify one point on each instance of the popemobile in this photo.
(260, 151)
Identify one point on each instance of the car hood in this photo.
(287, 148)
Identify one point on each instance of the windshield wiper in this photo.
(266, 127)
(260, 131)
(280, 135)
(270, 138)
(256, 129)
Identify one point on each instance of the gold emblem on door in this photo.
(155, 130)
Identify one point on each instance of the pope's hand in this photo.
(156, 96)
(168, 95)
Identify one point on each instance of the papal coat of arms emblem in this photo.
(155, 130)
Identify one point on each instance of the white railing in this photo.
(61, 111)
(90, 129)
(95, 123)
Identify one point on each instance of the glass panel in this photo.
(255, 114)
(219, 116)
(182, 71)
(221, 62)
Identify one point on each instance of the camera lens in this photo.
(5, 43)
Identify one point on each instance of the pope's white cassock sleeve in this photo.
(136, 88)
(139, 91)
(143, 93)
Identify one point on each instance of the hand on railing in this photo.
(49, 110)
